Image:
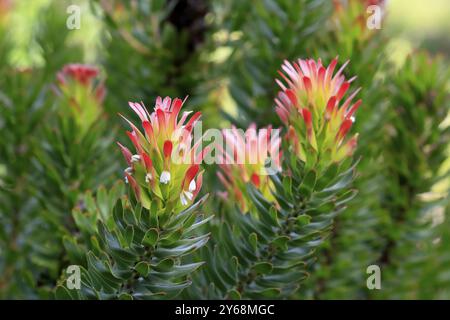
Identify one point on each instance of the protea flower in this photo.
(81, 74)
(165, 164)
(315, 106)
(81, 90)
(249, 157)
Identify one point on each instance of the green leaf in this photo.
(263, 267)
(307, 186)
(151, 237)
(253, 238)
(143, 268)
(62, 293)
(165, 265)
(233, 295)
(103, 203)
(270, 293)
(125, 296)
(310, 179)
(281, 242)
(303, 220)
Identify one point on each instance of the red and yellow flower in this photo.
(317, 109)
(165, 164)
(249, 157)
(81, 75)
(81, 90)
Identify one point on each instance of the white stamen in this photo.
(165, 177)
(148, 177)
(192, 186)
(135, 158)
(188, 195)
(185, 196)
(129, 170)
(183, 199)
(126, 179)
(352, 118)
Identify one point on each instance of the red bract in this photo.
(315, 105)
(84, 74)
(165, 166)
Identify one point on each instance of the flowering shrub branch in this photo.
(285, 221)
(141, 242)
(267, 253)
(73, 156)
(317, 116)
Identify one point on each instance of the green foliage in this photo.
(46, 162)
(167, 53)
(433, 276)
(354, 243)
(60, 207)
(72, 156)
(393, 229)
(51, 35)
(134, 253)
(21, 106)
(71, 162)
(266, 253)
(419, 107)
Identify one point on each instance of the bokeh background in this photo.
(410, 24)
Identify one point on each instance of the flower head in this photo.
(249, 157)
(81, 94)
(165, 165)
(317, 109)
(81, 74)
(84, 74)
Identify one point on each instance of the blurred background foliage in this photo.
(409, 23)
(225, 56)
